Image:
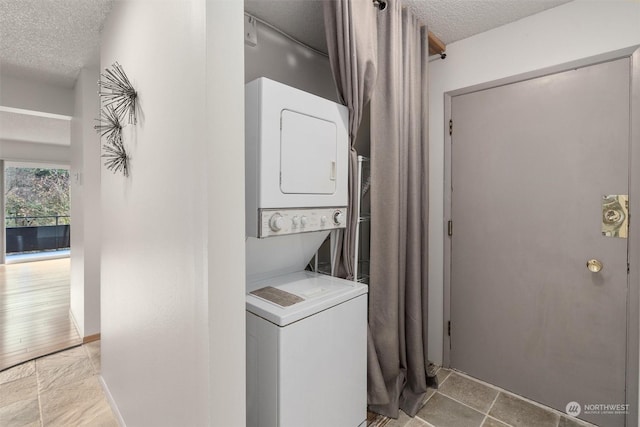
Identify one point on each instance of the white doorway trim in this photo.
(3, 232)
(633, 295)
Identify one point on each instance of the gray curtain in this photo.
(397, 365)
(352, 43)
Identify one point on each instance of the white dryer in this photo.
(306, 332)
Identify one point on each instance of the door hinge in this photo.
(450, 127)
(449, 328)
(450, 228)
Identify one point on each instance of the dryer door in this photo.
(308, 153)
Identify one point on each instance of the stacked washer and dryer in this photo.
(306, 332)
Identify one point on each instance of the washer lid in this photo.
(318, 291)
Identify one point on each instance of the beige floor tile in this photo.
(490, 422)
(430, 392)
(416, 422)
(520, 413)
(572, 422)
(69, 389)
(24, 413)
(82, 403)
(442, 375)
(401, 421)
(22, 389)
(442, 411)
(469, 392)
(63, 368)
(17, 372)
(405, 420)
(93, 349)
(62, 358)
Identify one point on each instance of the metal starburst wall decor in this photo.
(118, 99)
(116, 158)
(109, 125)
(116, 91)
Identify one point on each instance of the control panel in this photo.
(279, 222)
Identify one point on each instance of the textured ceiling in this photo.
(449, 20)
(50, 39)
(32, 128)
(453, 20)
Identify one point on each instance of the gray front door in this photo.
(531, 162)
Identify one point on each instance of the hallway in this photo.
(34, 311)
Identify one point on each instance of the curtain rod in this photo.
(290, 37)
(437, 56)
(380, 4)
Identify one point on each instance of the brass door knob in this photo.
(594, 265)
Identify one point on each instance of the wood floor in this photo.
(34, 311)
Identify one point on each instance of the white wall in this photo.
(573, 31)
(29, 94)
(283, 60)
(226, 223)
(85, 206)
(77, 214)
(173, 340)
(22, 151)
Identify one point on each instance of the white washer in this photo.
(306, 363)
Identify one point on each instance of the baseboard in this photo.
(35, 258)
(112, 402)
(91, 338)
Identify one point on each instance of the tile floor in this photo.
(57, 390)
(461, 401)
(63, 390)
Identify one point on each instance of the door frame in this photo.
(633, 280)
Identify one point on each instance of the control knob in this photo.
(303, 221)
(276, 222)
(323, 220)
(338, 217)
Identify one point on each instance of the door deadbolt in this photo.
(612, 216)
(615, 215)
